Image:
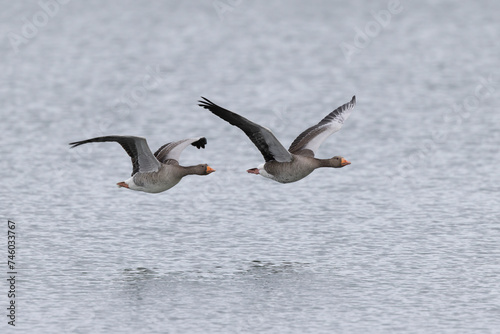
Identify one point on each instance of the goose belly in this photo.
(153, 182)
(159, 187)
(285, 172)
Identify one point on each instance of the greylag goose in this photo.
(298, 161)
(158, 172)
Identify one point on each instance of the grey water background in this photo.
(406, 239)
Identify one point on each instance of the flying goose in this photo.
(298, 161)
(158, 172)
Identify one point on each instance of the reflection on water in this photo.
(139, 274)
(258, 268)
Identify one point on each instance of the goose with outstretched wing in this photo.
(298, 161)
(154, 173)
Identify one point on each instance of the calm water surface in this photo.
(406, 239)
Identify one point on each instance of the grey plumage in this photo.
(170, 153)
(268, 145)
(310, 140)
(157, 172)
(136, 147)
(296, 163)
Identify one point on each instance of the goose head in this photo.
(338, 162)
(204, 169)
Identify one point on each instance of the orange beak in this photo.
(210, 170)
(344, 162)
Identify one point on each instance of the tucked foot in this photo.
(122, 184)
(253, 171)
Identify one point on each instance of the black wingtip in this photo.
(75, 144)
(353, 100)
(200, 143)
(206, 103)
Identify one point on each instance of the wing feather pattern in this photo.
(268, 145)
(171, 152)
(308, 142)
(136, 147)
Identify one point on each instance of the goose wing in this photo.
(263, 138)
(308, 142)
(137, 148)
(170, 153)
